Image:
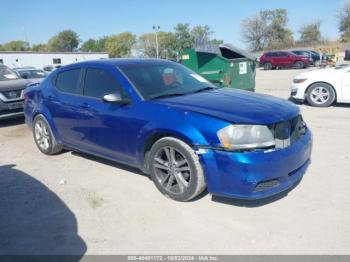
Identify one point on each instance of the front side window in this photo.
(161, 79)
(68, 81)
(99, 83)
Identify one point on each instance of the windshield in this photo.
(7, 74)
(163, 79)
(29, 74)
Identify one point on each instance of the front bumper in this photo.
(298, 91)
(11, 109)
(254, 175)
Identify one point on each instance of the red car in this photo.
(283, 59)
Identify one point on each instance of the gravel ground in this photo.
(77, 204)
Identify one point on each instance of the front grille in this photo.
(262, 186)
(288, 132)
(12, 94)
(8, 111)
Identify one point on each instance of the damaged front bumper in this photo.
(256, 174)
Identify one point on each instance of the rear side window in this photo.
(68, 81)
(99, 83)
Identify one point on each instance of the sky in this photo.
(36, 21)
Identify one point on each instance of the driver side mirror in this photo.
(116, 98)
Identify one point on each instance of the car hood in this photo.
(235, 106)
(320, 73)
(13, 84)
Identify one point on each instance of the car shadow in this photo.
(110, 163)
(34, 220)
(253, 203)
(12, 122)
(126, 168)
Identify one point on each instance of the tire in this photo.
(320, 95)
(317, 63)
(268, 66)
(181, 179)
(299, 65)
(43, 137)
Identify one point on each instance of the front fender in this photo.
(185, 132)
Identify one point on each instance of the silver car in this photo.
(11, 93)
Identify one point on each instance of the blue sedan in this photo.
(174, 125)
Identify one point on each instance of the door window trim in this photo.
(78, 87)
(121, 89)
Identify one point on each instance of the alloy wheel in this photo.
(319, 95)
(42, 136)
(172, 170)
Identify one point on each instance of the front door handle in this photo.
(84, 106)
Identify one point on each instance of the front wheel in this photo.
(44, 138)
(321, 95)
(176, 170)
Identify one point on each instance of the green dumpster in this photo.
(225, 66)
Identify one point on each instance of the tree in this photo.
(39, 47)
(344, 22)
(93, 45)
(254, 31)
(65, 41)
(89, 46)
(310, 34)
(120, 45)
(201, 32)
(216, 42)
(183, 37)
(17, 45)
(278, 35)
(268, 29)
(166, 41)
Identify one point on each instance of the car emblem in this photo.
(12, 94)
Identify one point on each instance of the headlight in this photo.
(299, 80)
(240, 137)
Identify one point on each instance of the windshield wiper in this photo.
(168, 95)
(204, 89)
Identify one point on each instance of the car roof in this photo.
(121, 61)
(26, 69)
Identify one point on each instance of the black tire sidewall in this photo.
(191, 190)
(267, 66)
(299, 65)
(51, 144)
(330, 99)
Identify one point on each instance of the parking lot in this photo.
(74, 203)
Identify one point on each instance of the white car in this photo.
(323, 87)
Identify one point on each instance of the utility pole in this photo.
(156, 30)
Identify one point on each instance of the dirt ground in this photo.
(77, 204)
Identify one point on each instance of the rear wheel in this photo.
(175, 169)
(44, 138)
(321, 95)
(268, 66)
(299, 65)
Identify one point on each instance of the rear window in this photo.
(68, 81)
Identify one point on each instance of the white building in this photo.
(43, 59)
